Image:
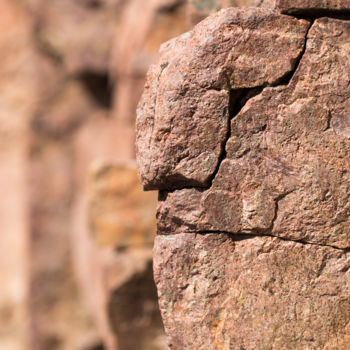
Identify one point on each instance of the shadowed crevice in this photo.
(287, 78)
(238, 236)
(239, 98)
(315, 13)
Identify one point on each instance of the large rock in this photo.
(253, 251)
(285, 171)
(189, 92)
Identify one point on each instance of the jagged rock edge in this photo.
(316, 13)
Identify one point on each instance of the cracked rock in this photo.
(219, 292)
(244, 127)
(286, 170)
(183, 114)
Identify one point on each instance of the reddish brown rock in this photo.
(187, 93)
(55, 99)
(253, 252)
(286, 166)
(313, 7)
(219, 291)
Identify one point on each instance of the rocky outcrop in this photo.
(243, 127)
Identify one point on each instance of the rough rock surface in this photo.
(72, 70)
(248, 141)
(188, 93)
(313, 7)
(286, 166)
(219, 291)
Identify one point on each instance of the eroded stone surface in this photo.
(253, 249)
(286, 171)
(183, 116)
(312, 7)
(218, 292)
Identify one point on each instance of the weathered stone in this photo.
(187, 94)
(253, 249)
(286, 166)
(59, 288)
(313, 7)
(219, 291)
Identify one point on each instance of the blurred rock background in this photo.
(76, 229)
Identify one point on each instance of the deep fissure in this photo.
(313, 14)
(239, 98)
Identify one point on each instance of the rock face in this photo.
(244, 127)
(190, 91)
(313, 7)
(219, 291)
